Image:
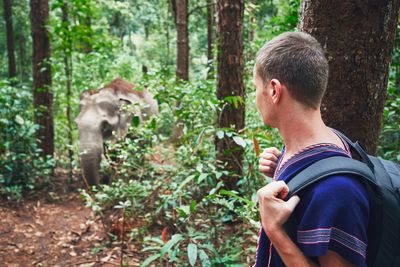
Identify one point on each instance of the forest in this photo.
(174, 184)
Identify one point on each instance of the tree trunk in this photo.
(41, 68)
(230, 83)
(252, 21)
(68, 75)
(358, 37)
(12, 70)
(22, 58)
(210, 35)
(88, 48)
(172, 5)
(182, 57)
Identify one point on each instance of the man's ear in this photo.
(275, 90)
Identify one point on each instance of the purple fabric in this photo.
(333, 213)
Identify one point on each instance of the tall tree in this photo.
(358, 37)
(182, 56)
(67, 47)
(230, 84)
(210, 33)
(252, 21)
(43, 97)
(12, 70)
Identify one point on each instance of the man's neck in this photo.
(300, 129)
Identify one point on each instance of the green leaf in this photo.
(150, 260)
(239, 140)
(193, 206)
(187, 180)
(205, 262)
(192, 253)
(19, 120)
(184, 211)
(202, 177)
(136, 121)
(220, 134)
(173, 241)
(235, 195)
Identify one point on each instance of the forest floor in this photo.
(54, 228)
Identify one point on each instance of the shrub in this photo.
(20, 163)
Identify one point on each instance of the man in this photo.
(290, 76)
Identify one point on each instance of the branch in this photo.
(200, 7)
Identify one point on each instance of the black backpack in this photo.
(382, 179)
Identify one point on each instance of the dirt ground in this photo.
(53, 228)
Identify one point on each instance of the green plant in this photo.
(21, 165)
(389, 147)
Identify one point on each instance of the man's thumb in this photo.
(292, 202)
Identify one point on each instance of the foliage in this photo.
(22, 40)
(389, 147)
(390, 136)
(22, 167)
(181, 183)
(164, 174)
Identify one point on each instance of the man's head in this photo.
(297, 61)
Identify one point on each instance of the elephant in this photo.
(103, 116)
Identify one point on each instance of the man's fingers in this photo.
(272, 150)
(273, 189)
(265, 168)
(266, 162)
(292, 202)
(268, 156)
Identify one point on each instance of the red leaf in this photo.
(164, 234)
(256, 146)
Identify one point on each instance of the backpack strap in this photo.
(357, 148)
(326, 167)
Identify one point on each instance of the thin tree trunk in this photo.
(358, 37)
(146, 30)
(23, 67)
(252, 21)
(167, 37)
(210, 36)
(172, 5)
(68, 75)
(230, 83)
(12, 70)
(41, 68)
(182, 57)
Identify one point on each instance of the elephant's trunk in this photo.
(90, 164)
(91, 146)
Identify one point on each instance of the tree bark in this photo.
(24, 69)
(172, 5)
(41, 68)
(182, 57)
(12, 69)
(210, 35)
(358, 37)
(230, 83)
(68, 75)
(252, 21)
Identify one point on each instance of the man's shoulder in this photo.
(338, 188)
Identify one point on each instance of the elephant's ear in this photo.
(85, 94)
(124, 101)
(130, 97)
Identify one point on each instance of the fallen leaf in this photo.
(164, 234)
(73, 254)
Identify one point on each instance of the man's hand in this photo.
(274, 211)
(268, 160)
